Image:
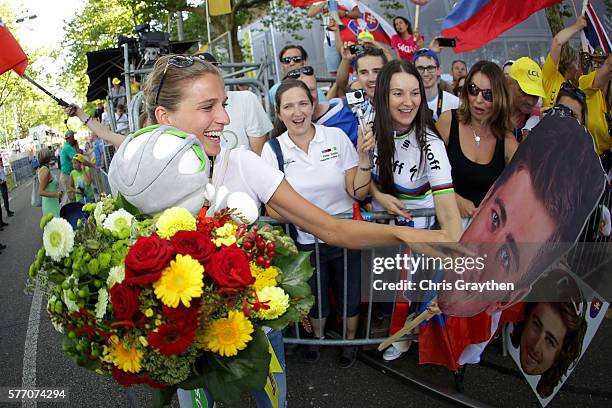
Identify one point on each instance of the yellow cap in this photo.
(365, 35)
(528, 75)
(116, 81)
(79, 157)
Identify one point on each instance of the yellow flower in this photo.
(180, 282)
(227, 336)
(125, 358)
(226, 235)
(278, 301)
(263, 277)
(173, 220)
(148, 312)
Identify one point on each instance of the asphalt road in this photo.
(30, 355)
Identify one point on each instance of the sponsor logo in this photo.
(398, 166)
(413, 172)
(596, 305)
(406, 144)
(533, 74)
(434, 164)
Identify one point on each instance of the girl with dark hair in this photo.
(574, 98)
(321, 164)
(405, 42)
(477, 135)
(411, 169)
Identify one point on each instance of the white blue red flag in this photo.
(473, 23)
(595, 32)
(370, 21)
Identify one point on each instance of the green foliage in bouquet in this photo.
(171, 301)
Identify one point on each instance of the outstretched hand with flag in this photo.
(12, 56)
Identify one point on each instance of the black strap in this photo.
(278, 152)
(275, 145)
(440, 99)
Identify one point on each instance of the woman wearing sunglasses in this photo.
(188, 93)
(477, 135)
(574, 99)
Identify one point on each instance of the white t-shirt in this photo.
(319, 175)
(449, 101)
(248, 173)
(247, 118)
(122, 122)
(417, 182)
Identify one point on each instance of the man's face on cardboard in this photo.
(508, 230)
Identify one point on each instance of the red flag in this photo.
(12, 56)
(302, 3)
(476, 22)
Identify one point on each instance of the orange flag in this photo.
(12, 56)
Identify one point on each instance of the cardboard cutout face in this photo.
(531, 215)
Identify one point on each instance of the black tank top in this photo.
(472, 180)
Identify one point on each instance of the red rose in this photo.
(146, 259)
(127, 379)
(124, 299)
(230, 268)
(195, 244)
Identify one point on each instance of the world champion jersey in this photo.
(417, 182)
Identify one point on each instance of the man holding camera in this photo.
(428, 65)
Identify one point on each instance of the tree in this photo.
(554, 15)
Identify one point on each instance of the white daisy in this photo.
(101, 303)
(58, 239)
(70, 304)
(118, 220)
(115, 275)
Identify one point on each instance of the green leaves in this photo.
(227, 378)
(296, 272)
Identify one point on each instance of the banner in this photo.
(476, 22)
(12, 56)
(369, 21)
(219, 7)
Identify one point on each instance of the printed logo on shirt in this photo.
(434, 164)
(288, 162)
(406, 144)
(329, 153)
(413, 172)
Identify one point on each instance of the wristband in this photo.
(366, 168)
(87, 120)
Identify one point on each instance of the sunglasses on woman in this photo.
(287, 60)
(474, 90)
(295, 73)
(179, 61)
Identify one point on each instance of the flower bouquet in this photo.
(172, 300)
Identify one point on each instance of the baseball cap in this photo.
(426, 52)
(79, 157)
(528, 75)
(365, 35)
(116, 81)
(69, 133)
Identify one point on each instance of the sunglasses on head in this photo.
(295, 73)
(474, 90)
(362, 50)
(574, 91)
(179, 61)
(287, 60)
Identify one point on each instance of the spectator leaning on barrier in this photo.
(525, 84)
(321, 164)
(428, 65)
(291, 56)
(478, 135)
(333, 113)
(555, 73)
(411, 168)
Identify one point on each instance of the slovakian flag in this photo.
(474, 23)
(12, 56)
(595, 31)
(369, 21)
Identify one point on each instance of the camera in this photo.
(355, 98)
(356, 49)
(149, 44)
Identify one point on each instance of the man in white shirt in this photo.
(248, 120)
(428, 65)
